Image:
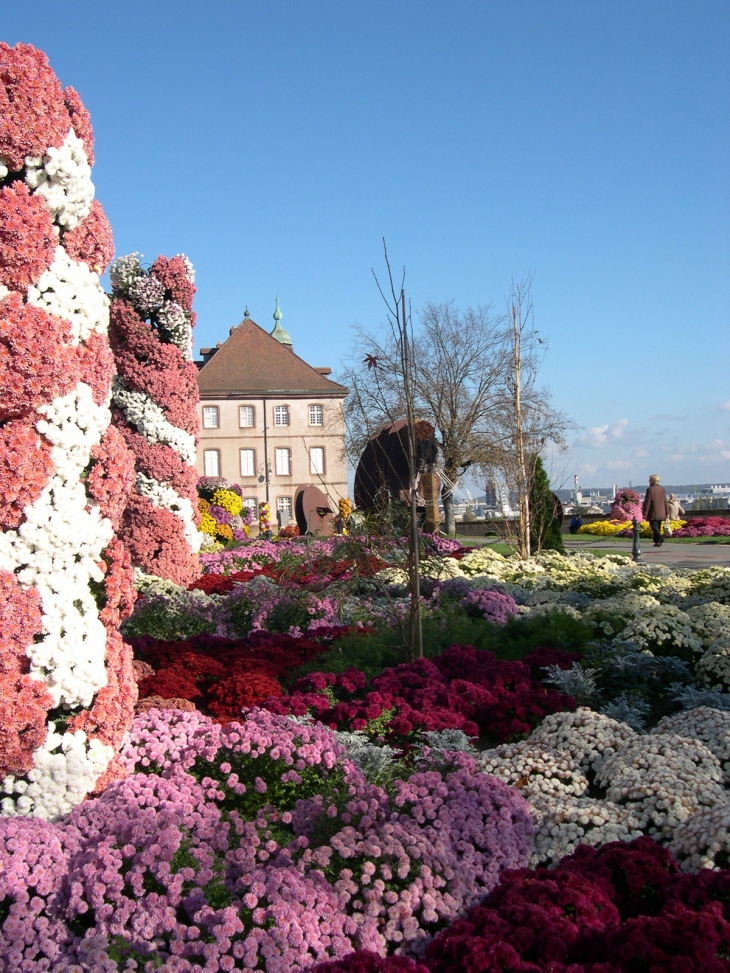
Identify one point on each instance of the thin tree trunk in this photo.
(447, 498)
(522, 484)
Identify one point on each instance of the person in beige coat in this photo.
(655, 508)
(674, 507)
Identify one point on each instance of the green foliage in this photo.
(544, 528)
(374, 651)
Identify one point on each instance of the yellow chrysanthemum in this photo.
(203, 505)
(229, 500)
(224, 531)
(208, 525)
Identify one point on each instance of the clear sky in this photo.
(276, 143)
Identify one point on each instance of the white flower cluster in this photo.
(143, 412)
(162, 495)
(63, 177)
(71, 291)
(3, 166)
(124, 270)
(174, 322)
(57, 550)
(665, 627)
(710, 726)
(535, 769)
(66, 768)
(703, 840)
(714, 666)
(664, 778)
(710, 621)
(588, 736)
(562, 825)
(189, 269)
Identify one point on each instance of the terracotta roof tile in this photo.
(252, 361)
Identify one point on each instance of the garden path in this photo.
(673, 555)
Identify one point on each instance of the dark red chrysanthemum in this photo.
(92, 241)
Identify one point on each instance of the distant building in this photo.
(269, 421)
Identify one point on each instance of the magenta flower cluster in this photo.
(252, 846)
(463, 689)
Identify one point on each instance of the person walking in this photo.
(674, 507)
(655, 508)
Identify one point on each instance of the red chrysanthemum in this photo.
(33, 115)
(37, 361)
(118, 585)
(111, 478)
(162, 463)
(171, 272)
(25, 469)
(96, 365)
(148, 365)
(157, 543)
(24, 701)
(92, 241)
(113, 709)
(81, 120)
(28, 239)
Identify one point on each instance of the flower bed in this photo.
(257, 844)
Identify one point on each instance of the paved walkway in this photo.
(674, 555)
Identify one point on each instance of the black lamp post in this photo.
(636, 549)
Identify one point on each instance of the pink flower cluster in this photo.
(45, 356)
(462, 689)
(705, 527)
(626, 505)
(158, 524)
(255, 846)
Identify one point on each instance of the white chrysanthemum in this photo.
(586, 735)
(663, 778)
(564, 823)
(535, 769)
(703, 840)
(143, 412)
(162, 495)
(71, 291)
(713, 668)
(189, 269)
(174, 322)
(67, 767)
(63, 177)
(124, 270)
(709, 726)
(57, 550)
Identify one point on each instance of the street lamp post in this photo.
(636, 549)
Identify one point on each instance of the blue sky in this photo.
(276, 143)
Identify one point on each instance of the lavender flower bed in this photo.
(255, 846)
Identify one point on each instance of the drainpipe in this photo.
(266, 450)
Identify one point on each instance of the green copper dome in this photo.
(279, 333)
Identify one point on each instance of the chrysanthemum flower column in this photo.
(67, 691)
(155, 408)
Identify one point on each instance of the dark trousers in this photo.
(656, 531)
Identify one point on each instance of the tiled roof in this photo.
(252, 361)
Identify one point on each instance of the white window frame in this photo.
(283, 459)
(318, 411)
(208, 455)
(319, 451)
(251, 502)
(211, 411)
(247, 425)
(281, 415)
(285, 504)
(250, 453)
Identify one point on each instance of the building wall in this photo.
(299, 437)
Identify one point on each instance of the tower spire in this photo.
(279, 333)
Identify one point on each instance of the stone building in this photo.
(270, 421)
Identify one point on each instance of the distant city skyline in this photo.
(277, 143)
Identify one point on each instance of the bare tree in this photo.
(526, 422)
(457, 383)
